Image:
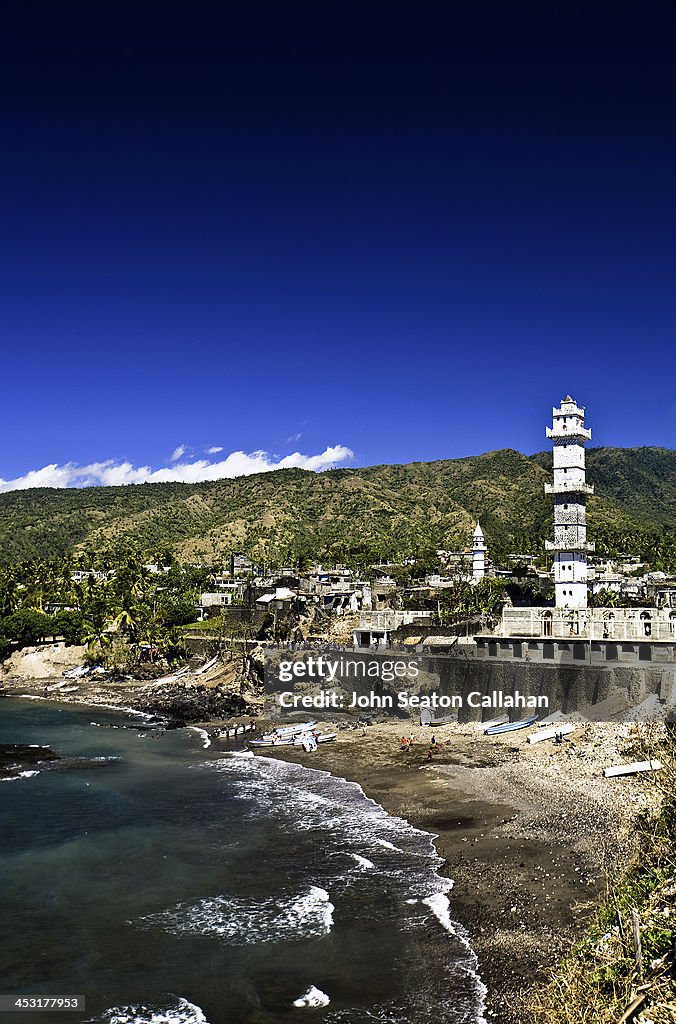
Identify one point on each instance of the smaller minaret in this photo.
(478, 554)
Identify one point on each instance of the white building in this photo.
(478, 554)
(570, 490)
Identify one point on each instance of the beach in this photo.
(526, 832)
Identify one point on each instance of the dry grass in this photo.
(600, 980)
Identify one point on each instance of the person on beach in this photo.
(404, 743)
(434, 741)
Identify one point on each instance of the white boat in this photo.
(550, 733)
(632, 769)
(273, 741)
(77, 671)
(524, 723)
(324, 737)
(291, 730)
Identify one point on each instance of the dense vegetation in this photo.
(124, 612)
(354, 516)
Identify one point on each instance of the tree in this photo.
(28, 626)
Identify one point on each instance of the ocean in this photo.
(171, 880)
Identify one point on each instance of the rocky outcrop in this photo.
(45, 661)
(196, 703)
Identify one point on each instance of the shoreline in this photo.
(519, 835)
(521, 830)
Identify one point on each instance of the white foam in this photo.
(203, 733)
(21, 775)
(388, 845)
(180, 1012)
(440, 907)
(364, 863)
(246, 922)
(313, 997)
(314, 799)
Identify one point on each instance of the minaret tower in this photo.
(570, 490)
(478, 554)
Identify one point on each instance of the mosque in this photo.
(571, 618)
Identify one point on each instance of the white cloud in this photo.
(293, 438)
(112, 473)
(214, 451)
(177, 453)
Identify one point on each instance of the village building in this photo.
(377, 627)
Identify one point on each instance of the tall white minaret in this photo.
(570, 490)
(478, 554)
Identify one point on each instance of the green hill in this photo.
(345, 514)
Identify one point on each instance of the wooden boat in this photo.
(273, 741)
(494, 730)
(426, 718)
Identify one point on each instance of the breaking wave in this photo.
(307, 915)
(180, 1011)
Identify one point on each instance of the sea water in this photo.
(171, 881)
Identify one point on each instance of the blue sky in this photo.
(313, 232)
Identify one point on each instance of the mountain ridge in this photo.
(346, 514)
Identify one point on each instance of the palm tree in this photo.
(126, 622)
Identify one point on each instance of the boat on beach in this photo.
(427, 718)
(273, 741)
(74, 673)
(524, 723)
(283, 735)
(500, 720)
(292, 730)
(292, 735)
(324, 737)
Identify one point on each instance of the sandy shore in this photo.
(526, 831)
